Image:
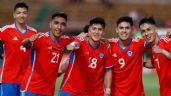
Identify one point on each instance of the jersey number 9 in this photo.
(121, 61)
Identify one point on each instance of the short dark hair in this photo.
(124, 19)
(97, 20)
(21, 5)
(59, 14)
(149, 20)
(85, 29)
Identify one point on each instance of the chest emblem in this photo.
(129, 53)
(101, 55)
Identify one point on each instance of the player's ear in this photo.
(104, 31)
(116, 30)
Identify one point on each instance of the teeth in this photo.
(124, 35)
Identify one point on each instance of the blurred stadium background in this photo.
(80, 11)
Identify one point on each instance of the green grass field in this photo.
(150, 85)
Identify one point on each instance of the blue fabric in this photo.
(32, 56)
(9, 89)
(72, 57)
(62, 93)
(31, 94)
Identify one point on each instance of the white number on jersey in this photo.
(93, 62)
(55, 57)
(121, 62)
(22, 48)
(157, 61)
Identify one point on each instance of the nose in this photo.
(59, 26)
(124, 30)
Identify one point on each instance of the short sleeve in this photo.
(2, 35)
(108, 59)
(168, 45)
(142, 44)
(37, 43)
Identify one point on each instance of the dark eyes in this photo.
(62, 23)
(124, 27)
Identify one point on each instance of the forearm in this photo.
(26, 43)
(108, 81)
(63, 66)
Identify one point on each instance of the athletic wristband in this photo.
(107, 90)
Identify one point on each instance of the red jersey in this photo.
(85, 73)
(127, 70)
(16, 57)
(163, 66)
(46, 56)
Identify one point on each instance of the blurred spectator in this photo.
(109, 3)
(168, 23)
(136, 16)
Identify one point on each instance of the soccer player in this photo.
(161, 53)
(88, 64)
(16, 57)
(126, 56)
(63, 66)
(47, 52)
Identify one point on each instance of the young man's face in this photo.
(148, 31)
(96, 32)
(20, 15)
(124, 30)
(58, 25)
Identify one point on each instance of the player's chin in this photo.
(58, 35)
(149, 40)
(124, 38)
(96, 39)
(21, 21)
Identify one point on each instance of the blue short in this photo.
(31, 94)
(62, 93)
(9, 89)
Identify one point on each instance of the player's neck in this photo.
(21, 27)
(54, 38)
(156, 40)
(125, 43)
(93, 43)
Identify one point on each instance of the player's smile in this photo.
(124, 30)
(148, 32)
(58, 26)
(20, 15)
(96, 32)
(124, 35)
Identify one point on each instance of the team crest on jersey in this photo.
(101, 55)
(129, 53)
